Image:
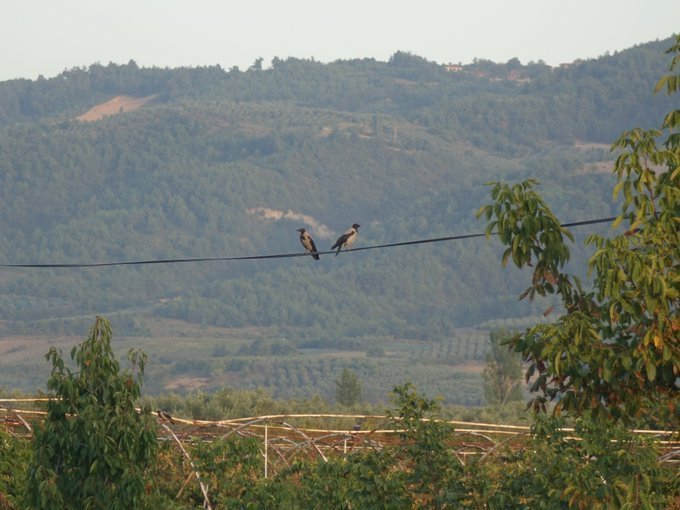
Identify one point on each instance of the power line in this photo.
(279, 255)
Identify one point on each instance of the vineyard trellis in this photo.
(287, 436)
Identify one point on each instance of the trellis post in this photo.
(265, 450)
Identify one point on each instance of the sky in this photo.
(46, 37)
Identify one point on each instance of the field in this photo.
(184, 358)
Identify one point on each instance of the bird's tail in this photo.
(315, 255)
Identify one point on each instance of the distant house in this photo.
(453, 67)
(517, 76)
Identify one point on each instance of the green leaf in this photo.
(651, 370)
(615, 194)
(666, 353)
(662, 83)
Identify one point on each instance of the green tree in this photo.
(615, 350)
(605, 466)
(347, 388)
(14, 456)
(433, 473)
(503, 371)
(94, 447)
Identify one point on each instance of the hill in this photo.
(214, 163)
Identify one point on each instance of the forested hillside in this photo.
(230, 163)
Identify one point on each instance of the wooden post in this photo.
(265, 450)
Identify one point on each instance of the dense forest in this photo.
(229, 163)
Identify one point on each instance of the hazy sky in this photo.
(48, 36)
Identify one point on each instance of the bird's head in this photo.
(301, 230)
(356, 226)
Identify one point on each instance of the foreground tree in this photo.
(597, 465)
(93, 448)
(615, 350)
(14, 457)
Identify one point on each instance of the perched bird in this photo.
(347, 239)
(308, 243)
(165, 416)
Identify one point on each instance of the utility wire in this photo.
(282, 255)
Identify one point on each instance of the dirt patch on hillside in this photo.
(598, 167)
(585, 146)
(187, 383)
(115, 106)
(471, 367)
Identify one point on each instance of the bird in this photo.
(308, 243)
(347, 239)
(165, 416)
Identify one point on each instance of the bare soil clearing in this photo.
(115, 106)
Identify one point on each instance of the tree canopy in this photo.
(93, 449)
(614, 350)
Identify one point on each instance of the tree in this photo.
(257, 65)
(503, 371)
(433, 473)
(615, 350)
(595, 465)
(15, 453)
(348, 388)
(93, 449)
